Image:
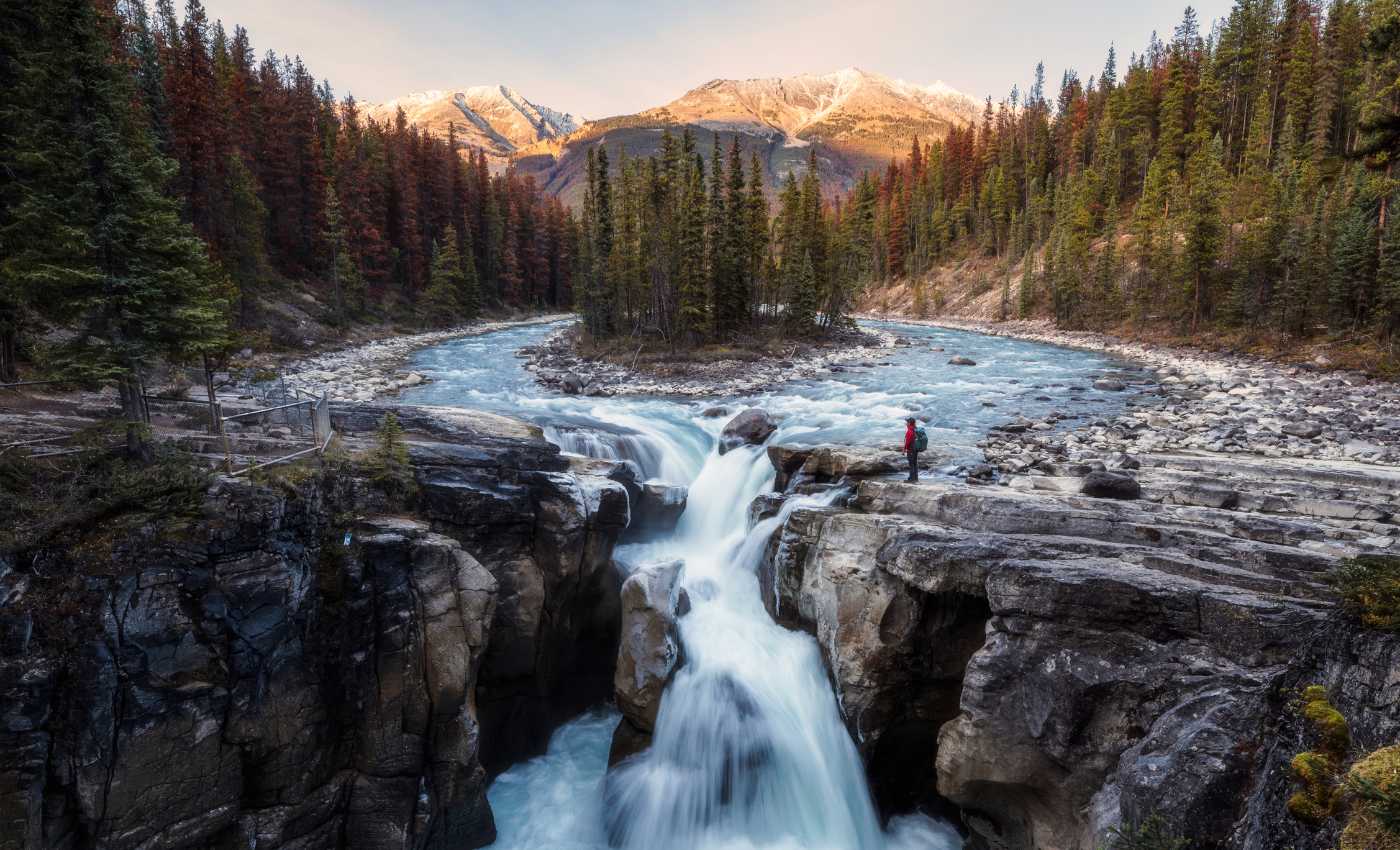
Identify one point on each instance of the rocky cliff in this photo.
(1057, 664)
(303, 664)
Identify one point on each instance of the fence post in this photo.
(321, 421)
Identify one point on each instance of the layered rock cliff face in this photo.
(1056, 664)
(301, 667)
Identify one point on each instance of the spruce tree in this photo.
(691, 316)
(346, 283)
(442, 302)
(1388, 282)
(121, 268)
(1352, 281)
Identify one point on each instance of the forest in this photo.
(163, 182)
(1241, 179)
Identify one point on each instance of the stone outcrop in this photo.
(805, 465)
(649, 653)
(300, 664)
(751, 427)
(1057, 664)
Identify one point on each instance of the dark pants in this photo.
(914, 466)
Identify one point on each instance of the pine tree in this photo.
(1388, 281)
(346, 282)
(442, 303)
(1352, 280)
(1203, 229)
(137, 285)
(691, 316)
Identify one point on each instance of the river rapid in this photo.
(749, 752)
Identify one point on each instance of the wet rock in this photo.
(1110, 485)
(1110, 385)
(649, 653)
(715, 412)
(960, 360)
(1123, 460)
(751, 427)
(658, 508)
(574, 383)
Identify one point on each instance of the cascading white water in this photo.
(749, 749)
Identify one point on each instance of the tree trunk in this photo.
(134, 411)
(215, 425)
(9, 355)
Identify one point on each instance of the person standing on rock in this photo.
(915, 441)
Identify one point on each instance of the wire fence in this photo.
(286, 424)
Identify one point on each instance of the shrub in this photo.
(1369, 586)
(1151, 834)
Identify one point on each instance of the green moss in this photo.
(1369, 587)
(1317, 771)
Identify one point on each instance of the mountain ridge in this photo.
(857, 120)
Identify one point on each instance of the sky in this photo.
(597, 58)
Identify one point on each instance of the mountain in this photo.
(497, 119)
(855, 120)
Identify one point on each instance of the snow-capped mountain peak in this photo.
(497, 119)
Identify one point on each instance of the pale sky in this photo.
(597, 58)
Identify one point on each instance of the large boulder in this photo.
(1102, 484)
(658, 508)
(648, 655)
(751, 427)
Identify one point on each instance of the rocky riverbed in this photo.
(557, 364)
(1200, 401)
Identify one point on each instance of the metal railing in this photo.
(319, 412)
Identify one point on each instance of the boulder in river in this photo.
(574, 384)
(650, 652)
(959, 360)
(657, 508)
(751, 427)
(1112, 385)
(1110, 485)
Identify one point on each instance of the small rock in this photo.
(962, 361)
(1110, 384)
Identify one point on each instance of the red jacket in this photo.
(908, 439)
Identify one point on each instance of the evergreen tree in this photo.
(129, 275)
(346, 283)
(443, 302)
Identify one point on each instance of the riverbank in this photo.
(363, 372)
(1202, 401)
(558, 364)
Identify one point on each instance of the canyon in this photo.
(306, 662)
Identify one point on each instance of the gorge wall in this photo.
(305, 665)
(1055, 664)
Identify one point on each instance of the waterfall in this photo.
(749, 750)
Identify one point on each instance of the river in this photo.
(749, 752)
